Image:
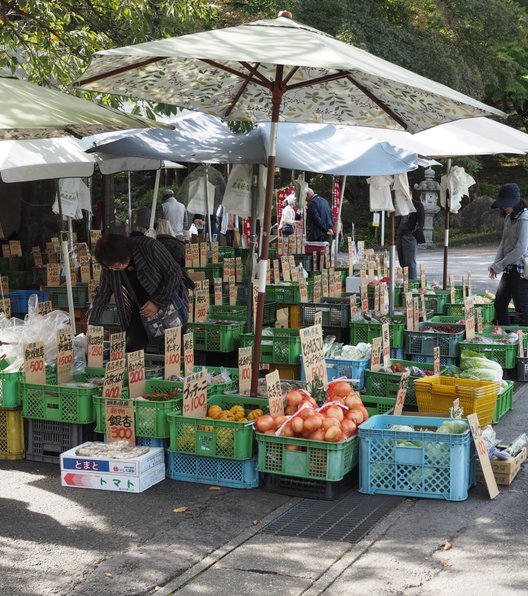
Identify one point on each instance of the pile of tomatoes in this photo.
(336, 420)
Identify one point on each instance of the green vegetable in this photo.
(401, 427)
(452, 427)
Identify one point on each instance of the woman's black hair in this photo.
(519, 207)
(113, 248)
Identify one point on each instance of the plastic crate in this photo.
(306, 488)
(294, 316)
(150, 417)
(504, 354)
(424, 342)
(437, 301)
(227, 312)
(335, 311)
(226, 252)
(20, 280)
(59, 296)
(317, 460)
(211, 270)
(366, 331)
(287, 372)
(110, 317)
(216, 337)
(504, 403)
(445, 319)
(387, 384)
(437, 469)
(58, 403)
(436, 395)
(287, 292)
(278, 346)
(225, 439)
(151, 442)
(376, 404)
(522, 369)
(444, 360)
(352, 370)
(47, 440)
(10, 385)
(19, 300)
(457, 310)
(210, 470)
(11, 434)
(509, 329)
(305, 260)
(399, 295)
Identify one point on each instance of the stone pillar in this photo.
(429, 194)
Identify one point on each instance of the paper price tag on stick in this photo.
(483, 456)
(64, 355)
(113, 379)
(188, 354)
(402, 392)
(385, 334)
(34, 363)
(312, 353)
(119, 421)
(469, 316)
(172, 352)
(95, 346)
(375, 362)
(117, 346)
(273, 388)
(245, 359)
(195, 395)
(136, 373)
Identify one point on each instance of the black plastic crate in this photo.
(309, 489)
(47, 440)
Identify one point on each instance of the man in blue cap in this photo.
(512, 256)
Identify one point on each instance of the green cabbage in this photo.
(452, 427)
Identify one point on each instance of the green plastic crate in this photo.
(399, 295)
(150, 417)
(20, 280)
(445, 319)
(422, 343)
(59, 297)
(58, 403)
(522, 369)
(383, 384)
(226, 252)
(366, 331)
(437, 301)
(216, 388)
(335, 311)
(510, 329)
(225, 439)
(457, 310)
(10, 385)
(227, 312)
(504, 354)
(504, 403)
(211, 270)
(216, 337)
(287, 292)
(278, 346)
(317, 460)
(376, 404)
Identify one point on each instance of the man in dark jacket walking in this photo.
(319, 220)
(408, 236)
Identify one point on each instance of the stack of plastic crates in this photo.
(335, 314)
(419, 463)
(352, 370)
(504, 354)
(11, 434)
(215, 451)
(366, 331)
(419, 345)
(436, 395)
(216, 336)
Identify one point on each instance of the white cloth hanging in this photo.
(380, 193)
(402, 195)
(457, 182)
(197, 203)
(75, 196)
(221, 214)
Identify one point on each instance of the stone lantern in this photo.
(429, 195)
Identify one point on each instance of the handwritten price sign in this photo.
(44, 308)
(245, 359)
(273, 388)
(482, 453)
(172, 352)
(312, 353)
(34, 363)
(117, 346)
(64, 355)
(53, 272)
(436, 360)
(402, 392)
(136, 374)
(95, 346)
(188, 354)
(113, 379)
(469, 316)
(195, 395)
(119, 421)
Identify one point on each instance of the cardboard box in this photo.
(132, 475)
(504, 470)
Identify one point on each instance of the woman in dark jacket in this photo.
(144, 277)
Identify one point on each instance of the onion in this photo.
(264, 423)
(297, 425)
(306, 413)
(318, 435)
(333, 435)
(348, 427)
(328, 422)
(294, 398)
(356, 416)
(335, 412)
(313, 423)
(353, 401)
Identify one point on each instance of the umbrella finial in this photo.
(286, 14)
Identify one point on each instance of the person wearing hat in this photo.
(511, 255)
(173, 211)
(319, 219)
(288, 217)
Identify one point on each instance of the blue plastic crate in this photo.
(397, 354)
(439, 468)
(352, 370)
(444, 360)
(210, 470)
(19, 300)
(150, 442)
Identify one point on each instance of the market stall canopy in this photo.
(230, 73)
(30, 112)
(327, 149)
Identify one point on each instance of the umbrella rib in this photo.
(249, 78)
(117, 71)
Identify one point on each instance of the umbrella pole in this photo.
(66, 264)
(207, 223)
(129, 204)
(266, 225)
(150, 231)
(446, 229)
(339, 230)
(392, 260)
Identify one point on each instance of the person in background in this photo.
(408, 235)
(141, 221)
(319, 220)
(174, 212)
(144, 277)
(511, 255)
(288, 217)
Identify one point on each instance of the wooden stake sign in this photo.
(452, 289)
(53, 272)
(469, 288)
(86, 274)
(375, 361)
(422, 307)
(482, 453)
(405, 280)
(312, 353)
(34, 363)
(293, 269)
(364, 291)
(136, 373)
(214, 252)
(245, 358)
(201, 306)
(324, 281)
(195, 395)
(385, 335)
(37, 256)
(276, 272)
(520, 334)
(318, 318)
(113, 379)
(469, 316)
(188, 354)
(350, 257)
(195, 255)
(285, 262)
(436, 360)
(94, 237)
(317, 289)
(5, 307)
(92, 289)
(402, 392)
(377, 299)
(6, 251)
(4, 280)
(64, 355)
(95, 346)
(273, 388)
(478, 319)
(303, 289)
(218, 294)
(44, 308)
(203, 254)
(354, 311)
(239, 276)
(409, 311)
(188, 256)
(15, 248)
(232, 294)
(423, 281)
(172, 366)
(117, 346)
(119, 421)
(416, 313)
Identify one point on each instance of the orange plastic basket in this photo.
(436, 395)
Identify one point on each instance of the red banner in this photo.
(336, 198)
(281, 195)
(246, 228)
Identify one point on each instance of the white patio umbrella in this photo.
(277, 70)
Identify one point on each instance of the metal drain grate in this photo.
(345, 520)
